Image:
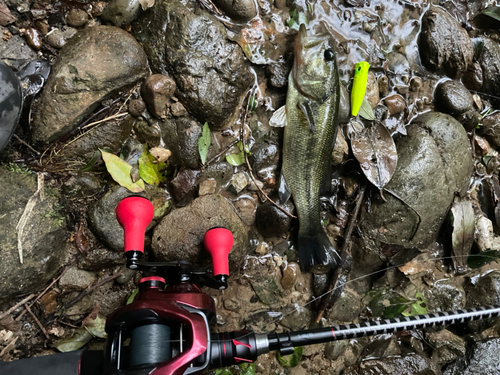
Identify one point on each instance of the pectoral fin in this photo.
(306, 109)
(284, 192)
(278, 119)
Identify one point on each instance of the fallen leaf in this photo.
(419, 307)
(148, 170)
(56, 331)
(49, 302)
(239, 158)
(5, 336)
(146, 4)
(463, 232)
(120, 172)
(366, 110)
(81, 241)
(204, 143)
(83, 335)
(92, 315)
(290, 360)
(376, 152)
(6, 18)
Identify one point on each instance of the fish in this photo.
(312, 110)
(359, 86)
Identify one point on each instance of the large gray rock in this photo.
(211, 72)
(43, 238)
(91, 67)
(179, 235)
(489, 60)
(412, 364)
(15, 52)
(434, 162)
(484, 360)
(444, 44)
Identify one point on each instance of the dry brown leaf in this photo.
(6, 18)
(160, 154)
(49, 302)
(81, 241)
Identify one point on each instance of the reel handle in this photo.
(219, 242)
(134, 214)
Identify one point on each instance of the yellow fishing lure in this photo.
(359, 86)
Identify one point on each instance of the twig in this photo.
(250, 168)
(11, 345)
(42, 293)
(91, 289)
(103, 120)
(27, 145)
(328, 297)
(226, 149)
(37, 321)
(22, 302)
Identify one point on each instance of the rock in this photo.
(75, 278)
(395, 104)
(444, 44)
(77, 18)
(296, 317)
(221, 172)
(445, 295)
(238, 10)
(121, 13)
(262, 248)
(146, 133)
(453, 98)
(91, 67)
(491, 129)
(265, 159)
(101, 259)
(278, 73)
(16, 53)
(184, 183)
(181, 136)
(489, 60)
(411, 364)
(43, 238)
(82, 185)
(11, 103)
(178, 110)
(290, 273)
(484, 290)
(239, 181)
(211, 73)
(447, 346)
(473, 77)
(59, 37)
(126, 276)
(33, 38)
(271, 221)
(345, 106)
(157, 91)
(415, 84)
(470, 119)
(434, 162)
(136, 107)
(246, 208)
(347, 308)
(484, 360)
(372, 90)
(179, 235)
(340, 150)
(102, 218)
(207, 186)
(383, 85)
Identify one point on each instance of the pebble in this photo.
(415, 84)
(33, 38)
(395, 104)
(136, 107)
(207, 186)
(262, 248)
(239, 181)
(75, 278)
(77, 18)
(157, 91)
(271, 221)
(383, 85)
(473, 77)
(160, 154)
(58, 38)
(121, 13)
(42, 26)
(290, 273)
(178, 109)
(246, 207)
(98, 8)
(453, 98)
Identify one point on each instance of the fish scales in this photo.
(309, 138)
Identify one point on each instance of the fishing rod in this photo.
(166, 330)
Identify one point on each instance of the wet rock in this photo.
(470, 119)
(101, 259)
(279, 72)
(345, 106)
(412, 364)
(178, 110)
(179, 235)
(211, 73)
(246, 207)
(395, 104)
(157, 91)
(473, 77)
(59, 37)
(347, 307)
(102, 218)
(82, 185)
(484, 360)
(11, 103)
(265, 159)
(146, 133)
(434, 162)
(372, 90)
(239, 181)
(415, 84)
(447, 346)
(296, 317)
(221, 172)
(453, 98)
(290, 273)
(238, 10)
(33, 38)
(16, 53)
(445, 295)
(121, 13)
(126, 276)
(207, 186)
(491, 129)
(489, 60)
(383, 85)
(184, 183)
(444, 44)
(91, 67)
(75, 278)
(271, 221)
(485, 290)
(77, 18)
(181, 136)
(136, 107)
(43, 238)
(340, 150)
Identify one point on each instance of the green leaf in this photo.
(90, 165)
(291, 360)
(148, 170)
(83, 335)
(132, 296)
(239, 158)
(419, 307)
(247, 369)
(223, 371)
(120, 172)
(478, 260)
(252, 103)
(489, 18)
(204, 143)
(366, 110)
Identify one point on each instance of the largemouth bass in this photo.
(312, 108)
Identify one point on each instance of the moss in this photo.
(17, 168)
(56, 214)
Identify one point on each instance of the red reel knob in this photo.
(218, 242)
(134, 214)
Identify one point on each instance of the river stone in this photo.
(238, 10)
(211, 72)
(489, 60)
(271, 221)
(121, 13)
(444, 44)
(44, 236)
(453, 98)
(91, 67)
(485, 290)
(411, 364)
(15, 53)
(77, 279)
(434, 162)
(491, 129)
(102, 218)
(447, 346)
(445, 295)
(484, 360)
(179, 235)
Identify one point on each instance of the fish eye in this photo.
(358, 69)
(329, 55)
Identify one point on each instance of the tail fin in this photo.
(316, 253)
